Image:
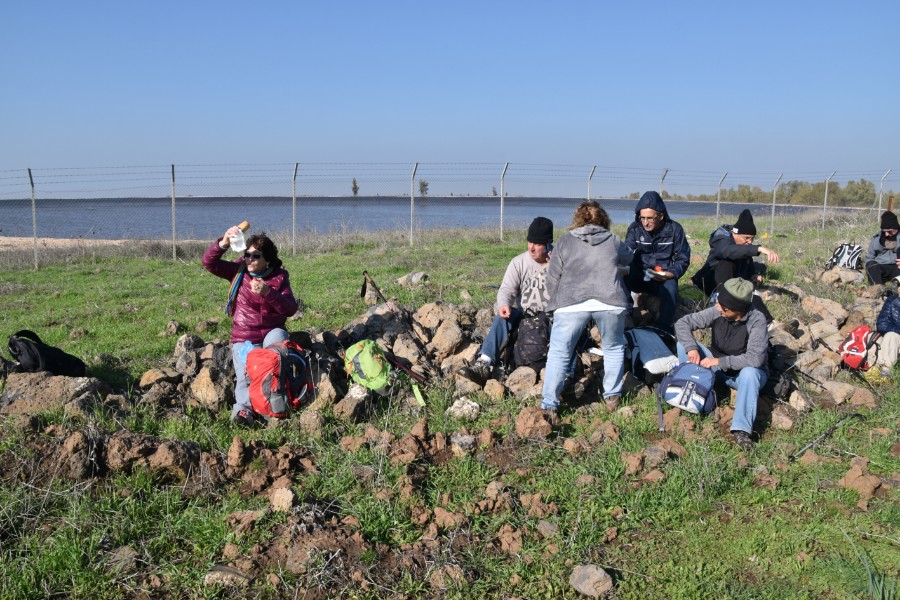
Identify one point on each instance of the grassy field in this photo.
(720, 525)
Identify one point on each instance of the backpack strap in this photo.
(28, 334)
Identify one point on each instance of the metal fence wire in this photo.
(178, 203)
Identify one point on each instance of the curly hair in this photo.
(265, 245)
(590, 213)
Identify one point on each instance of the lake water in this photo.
(207, 218)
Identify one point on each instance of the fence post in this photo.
(774, 191)
(173, 212)
(33, 219)
(825, 202)
(412, 201)
(719, 196)
(502, 178)
(591, 176)
(881, 188)
(661, 179)
(294, 212)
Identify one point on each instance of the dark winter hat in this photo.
(889, 220)
(736, 294)
(540, 231)
(744, 225)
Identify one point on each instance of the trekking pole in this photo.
(828, 432)
(659, 412)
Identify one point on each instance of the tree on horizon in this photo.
(354, 187)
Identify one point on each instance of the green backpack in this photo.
(366, 364)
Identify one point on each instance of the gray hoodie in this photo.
(587, 264)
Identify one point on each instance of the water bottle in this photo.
(238, 241)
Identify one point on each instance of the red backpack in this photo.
(280, 380)
(854, 348)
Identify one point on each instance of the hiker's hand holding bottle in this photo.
(258, 286)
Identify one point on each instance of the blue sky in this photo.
(713, 86)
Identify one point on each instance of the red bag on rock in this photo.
(280, 380)
(856, 346)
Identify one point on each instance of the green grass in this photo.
(705, 531)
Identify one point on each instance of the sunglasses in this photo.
(253, 255)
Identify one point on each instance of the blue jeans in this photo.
(747, 382)
(567, 328)
(499, 334)
(666, 291)
(239, 360)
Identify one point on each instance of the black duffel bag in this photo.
(33, 355)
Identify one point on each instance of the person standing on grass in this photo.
(523, 289)
(260, 301)
(731, 253)
(661, 248)
(738, 353)
(882, 260)
(585, 282)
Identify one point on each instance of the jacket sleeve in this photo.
(281, 297)
(511, 287)
(686, 325)
(757, 353)
(631, 237)
(889, 316)
(681, 256)
(724, 248)
(872, 249)
(212, 262)
(554, 272)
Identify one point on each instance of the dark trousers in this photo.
(880, 273)
(666, 291)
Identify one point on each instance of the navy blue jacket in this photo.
(889, 317)
(666, 247)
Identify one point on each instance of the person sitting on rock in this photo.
(882, 259)
(883, 354)
(661, 256)
(259, 303)
(523, 289)
(731, 253)
(738, 353)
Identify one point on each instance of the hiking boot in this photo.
(478, 372)
(742, 440)
(551, 416)
(244, 418)
(877, 376)
(572, 389)
(612, 402)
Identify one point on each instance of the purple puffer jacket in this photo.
(254, 315)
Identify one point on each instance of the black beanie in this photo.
(889, 220)
(744, 225)
(541, 231)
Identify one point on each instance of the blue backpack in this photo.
(689, 387)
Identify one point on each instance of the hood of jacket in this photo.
(722, 231)
(591, 234)
(650, 200)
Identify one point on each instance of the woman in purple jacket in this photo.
(259, 302)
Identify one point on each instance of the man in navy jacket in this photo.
(661, 255)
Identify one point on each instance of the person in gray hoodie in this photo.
(584, 282)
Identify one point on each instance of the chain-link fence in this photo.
(178, 203)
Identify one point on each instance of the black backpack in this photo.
(532, 341)
(33, 355)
